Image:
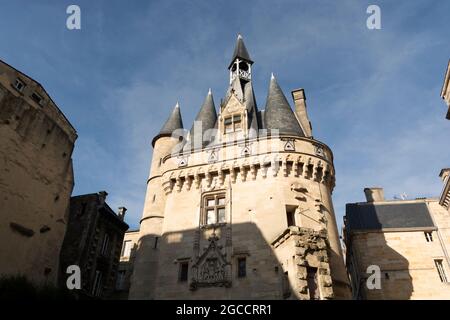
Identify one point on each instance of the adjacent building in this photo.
(125, 271)
(444, 199)
(36, 178)
(445, 92)
(93, 242)
(408, 241)
(239, 206)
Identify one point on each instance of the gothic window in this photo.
(233, 123)
(241, 267)
(214, 209)
(183, 273)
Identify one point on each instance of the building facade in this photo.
(408, 241)
(93, 242)
(444, 199)
(126, 263)
(36, 178)
(240, 205)
(445, 92)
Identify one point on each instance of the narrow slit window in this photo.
(242, 267)
(441, 270)
(290, 216)
(184, 269)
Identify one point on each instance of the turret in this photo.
(152, 220)
(205, 121)
(278, 113)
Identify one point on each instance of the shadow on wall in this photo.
(233, 261)
(367, 248)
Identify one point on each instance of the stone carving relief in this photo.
(212, 267)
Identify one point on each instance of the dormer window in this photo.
(233, 123)
(19, 85)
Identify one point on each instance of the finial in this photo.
(209, 91)
(239, 36)
(272, 77)
(177, 105)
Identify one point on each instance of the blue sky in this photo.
(373, 95)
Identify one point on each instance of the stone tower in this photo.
(239, 206)
(36, 178)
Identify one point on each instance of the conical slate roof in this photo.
(173, 123)
(278, 113)
(207, 116)
(240, 51)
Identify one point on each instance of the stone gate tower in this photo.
(239, 206)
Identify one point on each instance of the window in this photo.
(36, 98)
(105, 245)
(120, 282)
(97, 286)
(441, 270)
(215, 209)
(311, 279)
(429, 236)
(155, 245)
(290, 216)
(242, 267)
(183, 274)
(19, 85)
(233, 123)
(126, 249)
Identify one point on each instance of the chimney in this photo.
(300, 111)
(121, 213)
(374, 194)
(102, 197)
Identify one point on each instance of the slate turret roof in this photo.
(173, 123)
(240, 51)
(278, 113)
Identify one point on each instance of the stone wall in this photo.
(406, 260)
(259, 188)
(36, 180)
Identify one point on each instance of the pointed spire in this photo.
(278, 113)
(207, 116)
(173, 123)
(240, 51)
